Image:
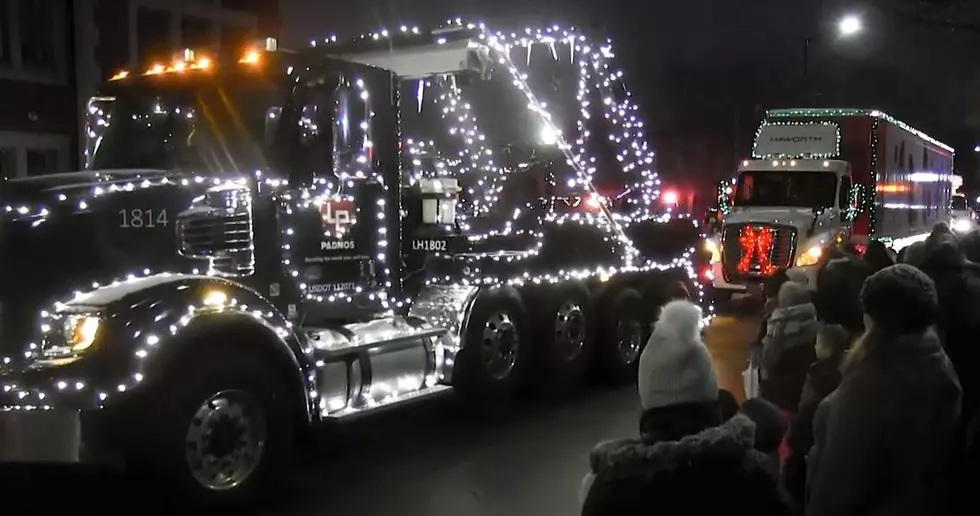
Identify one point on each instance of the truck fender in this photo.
(151, 327)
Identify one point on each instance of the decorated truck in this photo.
(297, 237)
(820, 177)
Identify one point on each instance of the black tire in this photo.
(655, 296)
(621, 316)
(564, 332)
(237, 376)
(480, 374)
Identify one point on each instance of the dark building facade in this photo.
(55, 53)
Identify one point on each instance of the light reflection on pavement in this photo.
(728, 339)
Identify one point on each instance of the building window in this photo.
(37, 34)
(8, 163)
(5, 32)
(153, 34)
(236, 38)
(195, 33)
(42, 162)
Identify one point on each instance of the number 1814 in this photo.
(142, 218)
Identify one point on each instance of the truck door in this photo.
(331, 223)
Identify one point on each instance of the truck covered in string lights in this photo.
(307, 236)
(821, 177)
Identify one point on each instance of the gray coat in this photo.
(884, 439)
(788, 328)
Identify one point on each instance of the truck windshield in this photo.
(808, 189)
(958, 204)
(205, 126)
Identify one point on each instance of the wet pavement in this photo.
(430, 459)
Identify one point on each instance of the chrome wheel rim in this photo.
(225, 440)
(570, 330)
(500, 346)
(629, 340)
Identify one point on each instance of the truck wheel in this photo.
(495, 347)
(564, 336)
(227, 429)
(622, 335)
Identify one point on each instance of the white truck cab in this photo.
(962, 217)
(784, 214)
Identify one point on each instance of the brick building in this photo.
(55, 53)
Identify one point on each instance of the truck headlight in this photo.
(75, 335)
(810, 257)
(80, 332)
(962, 225)
(712, 247)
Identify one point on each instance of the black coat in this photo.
(715, 471)
(838, 293)
(884, 440)
(822, 379)
(784, 387)
(958, 285)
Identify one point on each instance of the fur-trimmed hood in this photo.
(734, 438)
(632, 477)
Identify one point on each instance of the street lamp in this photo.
(847, 27)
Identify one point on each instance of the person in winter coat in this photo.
(684, 444)
(770, 427)
(824, 376)
(970, 245)
(966, 496)
(958, 286)
(877, 256)
(912, 254)
(883, 441)
(838, 289)
(787, 349)
(770, 291)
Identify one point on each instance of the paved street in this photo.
(431, 459)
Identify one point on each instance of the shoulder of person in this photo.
(606, 453)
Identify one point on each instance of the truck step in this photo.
(401, 400)
(391, 334)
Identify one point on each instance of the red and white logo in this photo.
(337, 214)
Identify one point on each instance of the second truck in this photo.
(820, 177)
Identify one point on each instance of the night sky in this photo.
(704, 70)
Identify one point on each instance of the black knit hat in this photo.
(900, 299)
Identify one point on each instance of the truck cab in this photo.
(784, 213)
(962, 218)
(283, 240)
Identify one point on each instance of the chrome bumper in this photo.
(49, 436)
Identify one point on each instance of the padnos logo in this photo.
(337, 214)
(337, 245)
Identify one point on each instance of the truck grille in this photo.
(218, 227)
(778, 257)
